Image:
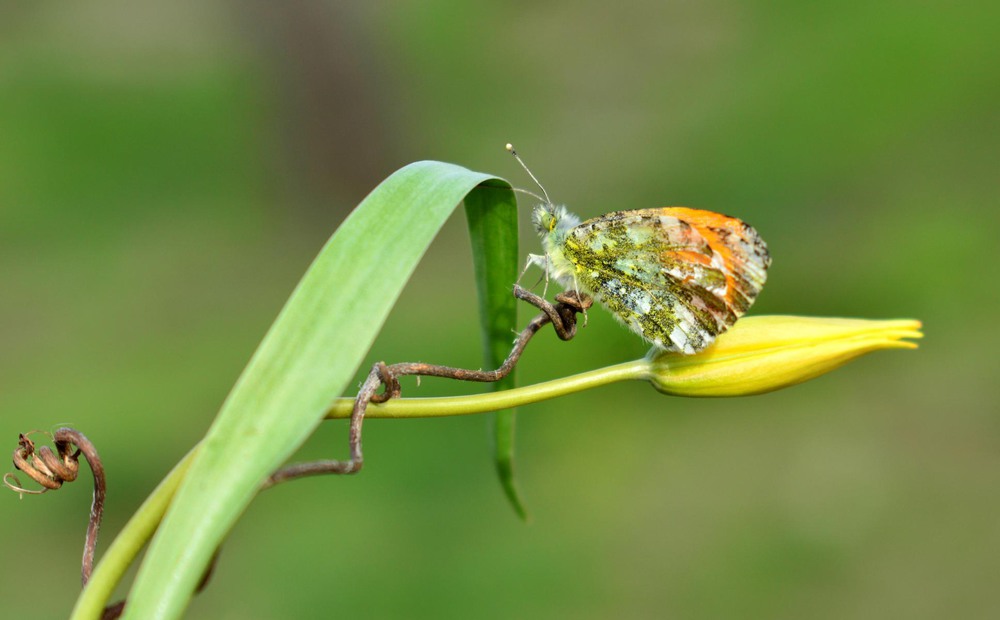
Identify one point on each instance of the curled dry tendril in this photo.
(51, 469)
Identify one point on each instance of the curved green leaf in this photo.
(306, 360)
(493, 230)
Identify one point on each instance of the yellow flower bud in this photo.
(766, 353)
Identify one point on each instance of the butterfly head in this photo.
(553, 220)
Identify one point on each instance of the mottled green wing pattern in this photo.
(678, 277)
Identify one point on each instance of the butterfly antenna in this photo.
(510, 147)
(528, 193)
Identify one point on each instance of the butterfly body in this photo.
(677, 277)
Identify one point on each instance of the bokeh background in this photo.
(168, 171)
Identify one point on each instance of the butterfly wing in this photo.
(678, 277)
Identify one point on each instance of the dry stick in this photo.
(97, 505)
(562, 316)
(51, 471)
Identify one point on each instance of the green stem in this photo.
(128, 543)
(495, 401)
(144, 522)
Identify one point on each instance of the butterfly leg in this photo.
(545, 268)
(541, 261)
(583, 310)
(533, 259)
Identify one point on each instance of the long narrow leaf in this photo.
(493, 229)
(306, 360)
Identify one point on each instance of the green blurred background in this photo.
(168, 171)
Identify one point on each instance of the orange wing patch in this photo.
(743, 253)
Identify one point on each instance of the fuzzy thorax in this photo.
(553, 223)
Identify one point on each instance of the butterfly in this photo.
(678, 277)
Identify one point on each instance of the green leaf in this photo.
(306, 360)
(493, 229)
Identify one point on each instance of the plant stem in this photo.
(494, 401)
(128, 543)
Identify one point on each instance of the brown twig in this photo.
(562, 315)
